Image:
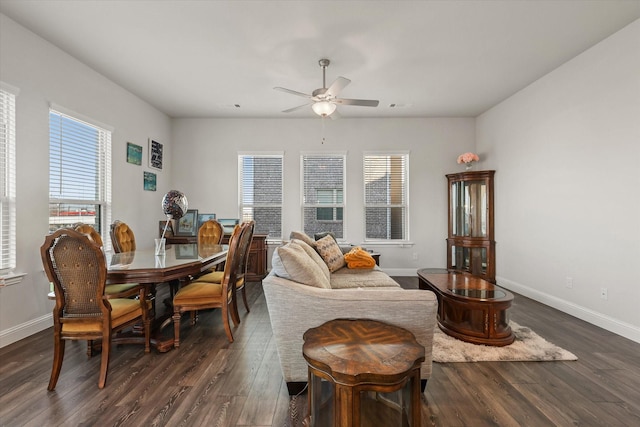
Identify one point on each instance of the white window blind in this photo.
(79, 174)
(260, 192)
(7, 180)
(323, 177)
(385, 196)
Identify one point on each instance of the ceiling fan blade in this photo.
(295, 108)
(337, 86)
(292, 92)
(358, 102)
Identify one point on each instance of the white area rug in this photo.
(528, 346)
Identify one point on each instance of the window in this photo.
(7, 178)
(329, 197)
(79, 173)
(322, 193)
(385, 196)
(260, 182)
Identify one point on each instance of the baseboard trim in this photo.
(606, 322)
(400, 271)
(18, 332)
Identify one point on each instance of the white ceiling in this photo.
(431, 58)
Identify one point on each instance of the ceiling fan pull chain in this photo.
(323, 139)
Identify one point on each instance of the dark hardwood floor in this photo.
(208, 381)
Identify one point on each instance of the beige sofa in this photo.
(298, 299)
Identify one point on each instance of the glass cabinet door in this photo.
(469, 208)
(472, 260)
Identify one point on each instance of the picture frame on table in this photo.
(188, 223)
(187, 251)
(169, 232)
(228, 224)
(204, 217)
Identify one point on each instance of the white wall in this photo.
(567, 151)
(205, 168)
(44, 74)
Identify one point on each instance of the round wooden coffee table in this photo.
(362, 372)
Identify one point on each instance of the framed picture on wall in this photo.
(155, 154)
(187, 224)
(149, 181)
(134, 153)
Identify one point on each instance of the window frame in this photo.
(103, 169)
(8, 143)
(241, 178)
(315, 205)
(366, 170)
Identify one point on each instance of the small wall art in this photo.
(155, 154)
(134, 153)
(149, 181)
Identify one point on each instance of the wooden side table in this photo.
(362, 373)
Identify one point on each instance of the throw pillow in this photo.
(302, 236)
(319, 236)
(330, 253)
(313, 254)
(359, 258)
(292, 262)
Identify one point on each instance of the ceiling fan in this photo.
(323, 100)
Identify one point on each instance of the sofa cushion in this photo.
(314, 255)
(330, 253)
(346, 278)
(302, 236)
(292, 262)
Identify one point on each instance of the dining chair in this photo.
(112, 290)
(210, 232)
(199, 295)
(76, 266)
(122, 237)
(216, 276)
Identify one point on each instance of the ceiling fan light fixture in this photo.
(323, 108)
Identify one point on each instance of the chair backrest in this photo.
(92, 232)
(77, 268)
(246, 236)
(210, 232)
(234, 256)
(122, 237)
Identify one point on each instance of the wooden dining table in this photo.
(178, 263)
(174, 268)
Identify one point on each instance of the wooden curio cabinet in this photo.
(470, 244)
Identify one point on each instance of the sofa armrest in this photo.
(295, 308)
